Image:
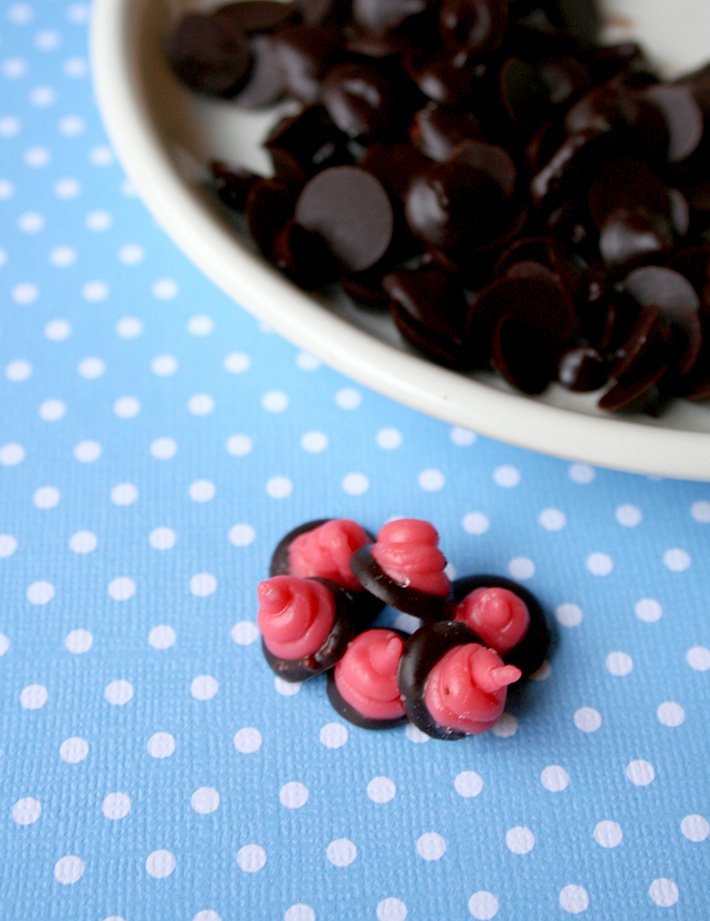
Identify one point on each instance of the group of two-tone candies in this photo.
(329, 579)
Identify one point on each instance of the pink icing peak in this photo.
(295, 616)
(498, 616)
(407, 551)
(325, 552)
(366, 676)
(466, 689)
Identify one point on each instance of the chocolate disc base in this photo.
(529, 654)
(422, 651)
(368, 606)
(348, 712)
(409, 600)
(345, 627)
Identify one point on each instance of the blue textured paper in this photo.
(155, 444)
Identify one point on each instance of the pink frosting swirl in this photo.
(295, 616)
(499, 616)
(466, 689)
(407, 550)
(326, 550)
(366, 676)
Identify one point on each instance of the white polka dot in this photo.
(483, 905)
(18, 371)
(116, 806)
(599, 564)
(30, 222)
(126, 407)
(641, 773)
(122, 588)
(34, 696)
(204, 687)
(552, 519)
(11, 455)
(388, 439)
(118, 692)
(670, 714)
(381, 789)
(37, 157)
(75, 67)
(648, 610)
(95, 291)
(696, 828)
(203, 584)
(202, 490)
(67, 188)
(26, 811)
(582, 473)
(14, 68)
(431, 846)
(160, 864)
(664, 892)
(162, 538)
(9, 127)
(587, 719)
(431, 480)
(87, 451)
(286, 688)
(4, 644)
(161, 745)
(279, 487)
(348, 398)
(68, 870)
(98, 220)
(608, 833)
(78, 13)
(506, 726)
(131, 254)
(101, 156)
(164, 365)
(245, 633)
(46, 497)
(521, 568)
(201, 404)
(79, 641)
(251, 858)
(239, 445)
(40, 593)
(569, 615)
(237, 363)
(506, 476)
(628, 515)
(314, 442)
(164, 289)
(8, 545)
(676, 559)
(333, 735)
(25, 293)
(91, 368)
(574, 899)
(20, 13)
(355, 484)
(619, 664)
(414, 734)
(207, 915)
(124, 494)
(391, 910)
(200, 325)
(468, 784)
(275, 401)
(129, 327)
(42, 96)
(205, 800)
(52, 410)
(554, 778)
(307, 362)
(341, 852)
(698, 658)
(542, 673)
(247, 740)
(74, 750)
(163, 448)
(520, 840)
(162, 637)
(48, 40)
(83, 542)
(701, 511)
(293, 795)
(62, 256)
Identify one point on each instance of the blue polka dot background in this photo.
(156, 443)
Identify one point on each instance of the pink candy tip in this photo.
(504, 675)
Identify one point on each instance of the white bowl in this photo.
(164, 136)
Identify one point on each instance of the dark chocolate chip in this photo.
(231, 183)
(582, 369)
(683, 116)
(628, 233)
(209, 54)
(251, 16)
(437, 130)
(365, 101)
(265, 85)
(269, 206)
(627, 183)
(382, 16)
(311, 139)
(478, 26)
(304, 53)
(520, 354)
(302, 256)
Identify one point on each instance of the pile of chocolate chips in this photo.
(519, 197)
